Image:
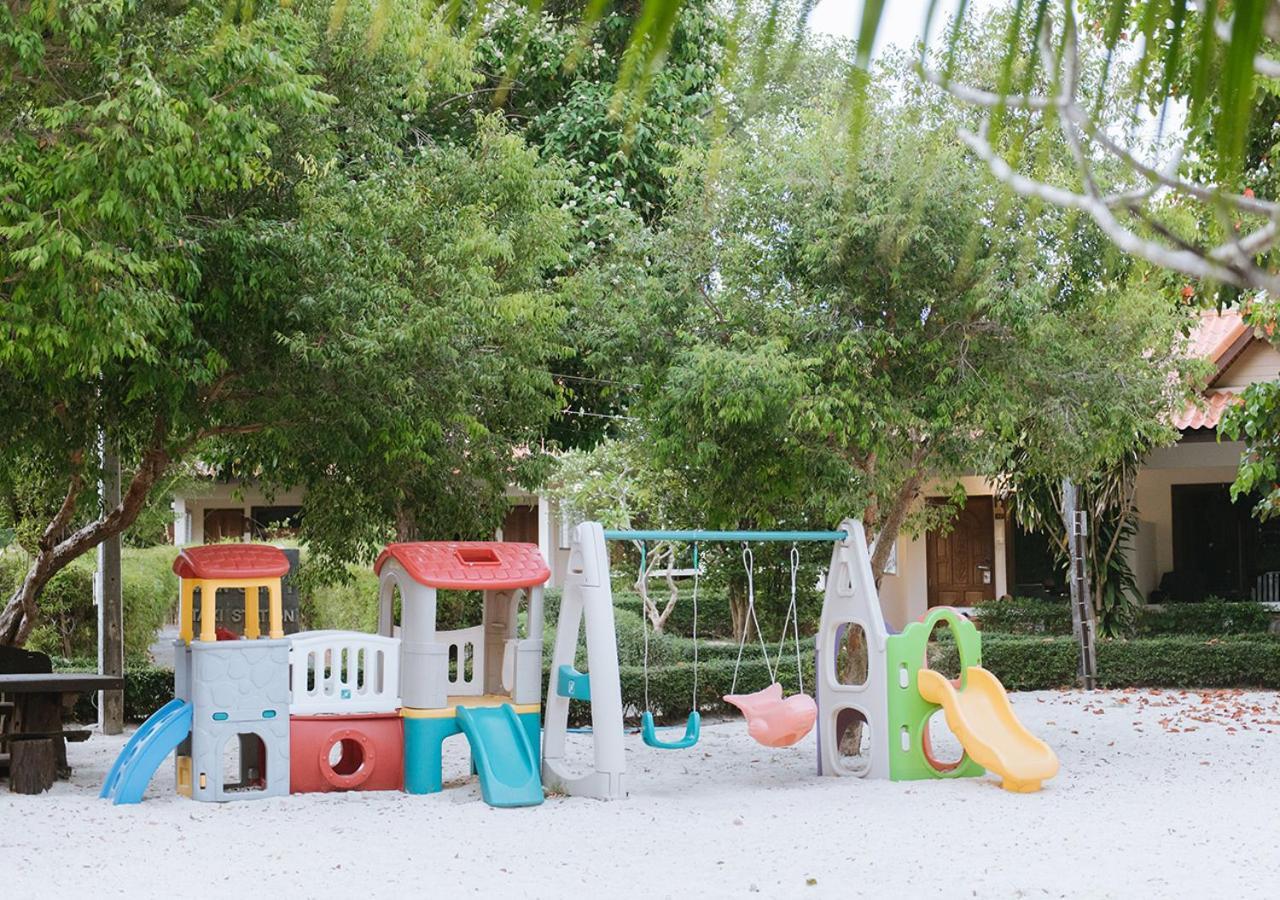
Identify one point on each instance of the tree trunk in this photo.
(21, 613)
(738, 615)
(33, 764)
(406, 525)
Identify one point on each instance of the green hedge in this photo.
(353, 605)
(1025, 664)
(1021, 664)
(1213, 617)
(146, 689)
(1053, 617)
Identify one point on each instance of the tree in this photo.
(228, 237)
(819, 332)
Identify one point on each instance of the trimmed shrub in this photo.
(1027, 664)
(713, 610)
(348, 606)
(1020, 616)
(146, 689)
(1053, 617)
(353, 605)
(150, 598)
(1213, 617)
(671, 687)
(68, 623)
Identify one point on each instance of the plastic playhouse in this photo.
(340, 711)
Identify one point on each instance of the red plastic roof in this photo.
(469, 565)
(231, 561)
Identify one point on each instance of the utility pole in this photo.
(110, 601)
(1083, 625)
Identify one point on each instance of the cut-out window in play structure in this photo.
(244, 763)
(941, 747)
(851, 658)
(854, 740)
(941, 652)
(346, 757)
(461, 662)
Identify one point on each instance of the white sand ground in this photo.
(1161, 795)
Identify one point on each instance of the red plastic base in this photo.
(346, 753)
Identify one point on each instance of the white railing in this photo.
(343, 672)
(465, 660)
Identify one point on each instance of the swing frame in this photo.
(693, 726)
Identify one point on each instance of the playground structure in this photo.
(338, 710)
(893, 700)
(484, 682)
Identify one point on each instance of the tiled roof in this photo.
(1214, 335)
(469, 565)
(1208, 413)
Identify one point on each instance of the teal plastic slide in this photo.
(151, 743)
(502, 755)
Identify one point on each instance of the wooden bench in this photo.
(32, 715)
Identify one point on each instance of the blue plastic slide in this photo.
(503, 757)
(151, 743)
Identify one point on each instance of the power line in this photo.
(590, 380)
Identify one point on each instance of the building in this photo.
(1192, 538)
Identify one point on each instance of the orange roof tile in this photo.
(1206, 414)
(1214, 335)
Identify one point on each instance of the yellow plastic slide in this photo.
(983, 720)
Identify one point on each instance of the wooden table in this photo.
(38, 700)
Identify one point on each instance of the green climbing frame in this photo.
(909, 712)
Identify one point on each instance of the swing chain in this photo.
(644, 620)
(748, 562)
(696, 575)
(794, 616)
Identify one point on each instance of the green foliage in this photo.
(232, 237)
(1212, 618)
(1026, 663)
(348, 605)
(1254, 421)
(70, 624)
(817, 332)
(1024, 617)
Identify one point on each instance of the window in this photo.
(1219, 548)
(1035, 569)
(274, 521)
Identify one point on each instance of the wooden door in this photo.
(961, 563)
(521, 525)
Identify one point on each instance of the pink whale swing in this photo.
(773, 720)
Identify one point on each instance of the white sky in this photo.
(901, 24)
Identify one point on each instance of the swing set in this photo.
(772, 719)
(894, 699)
